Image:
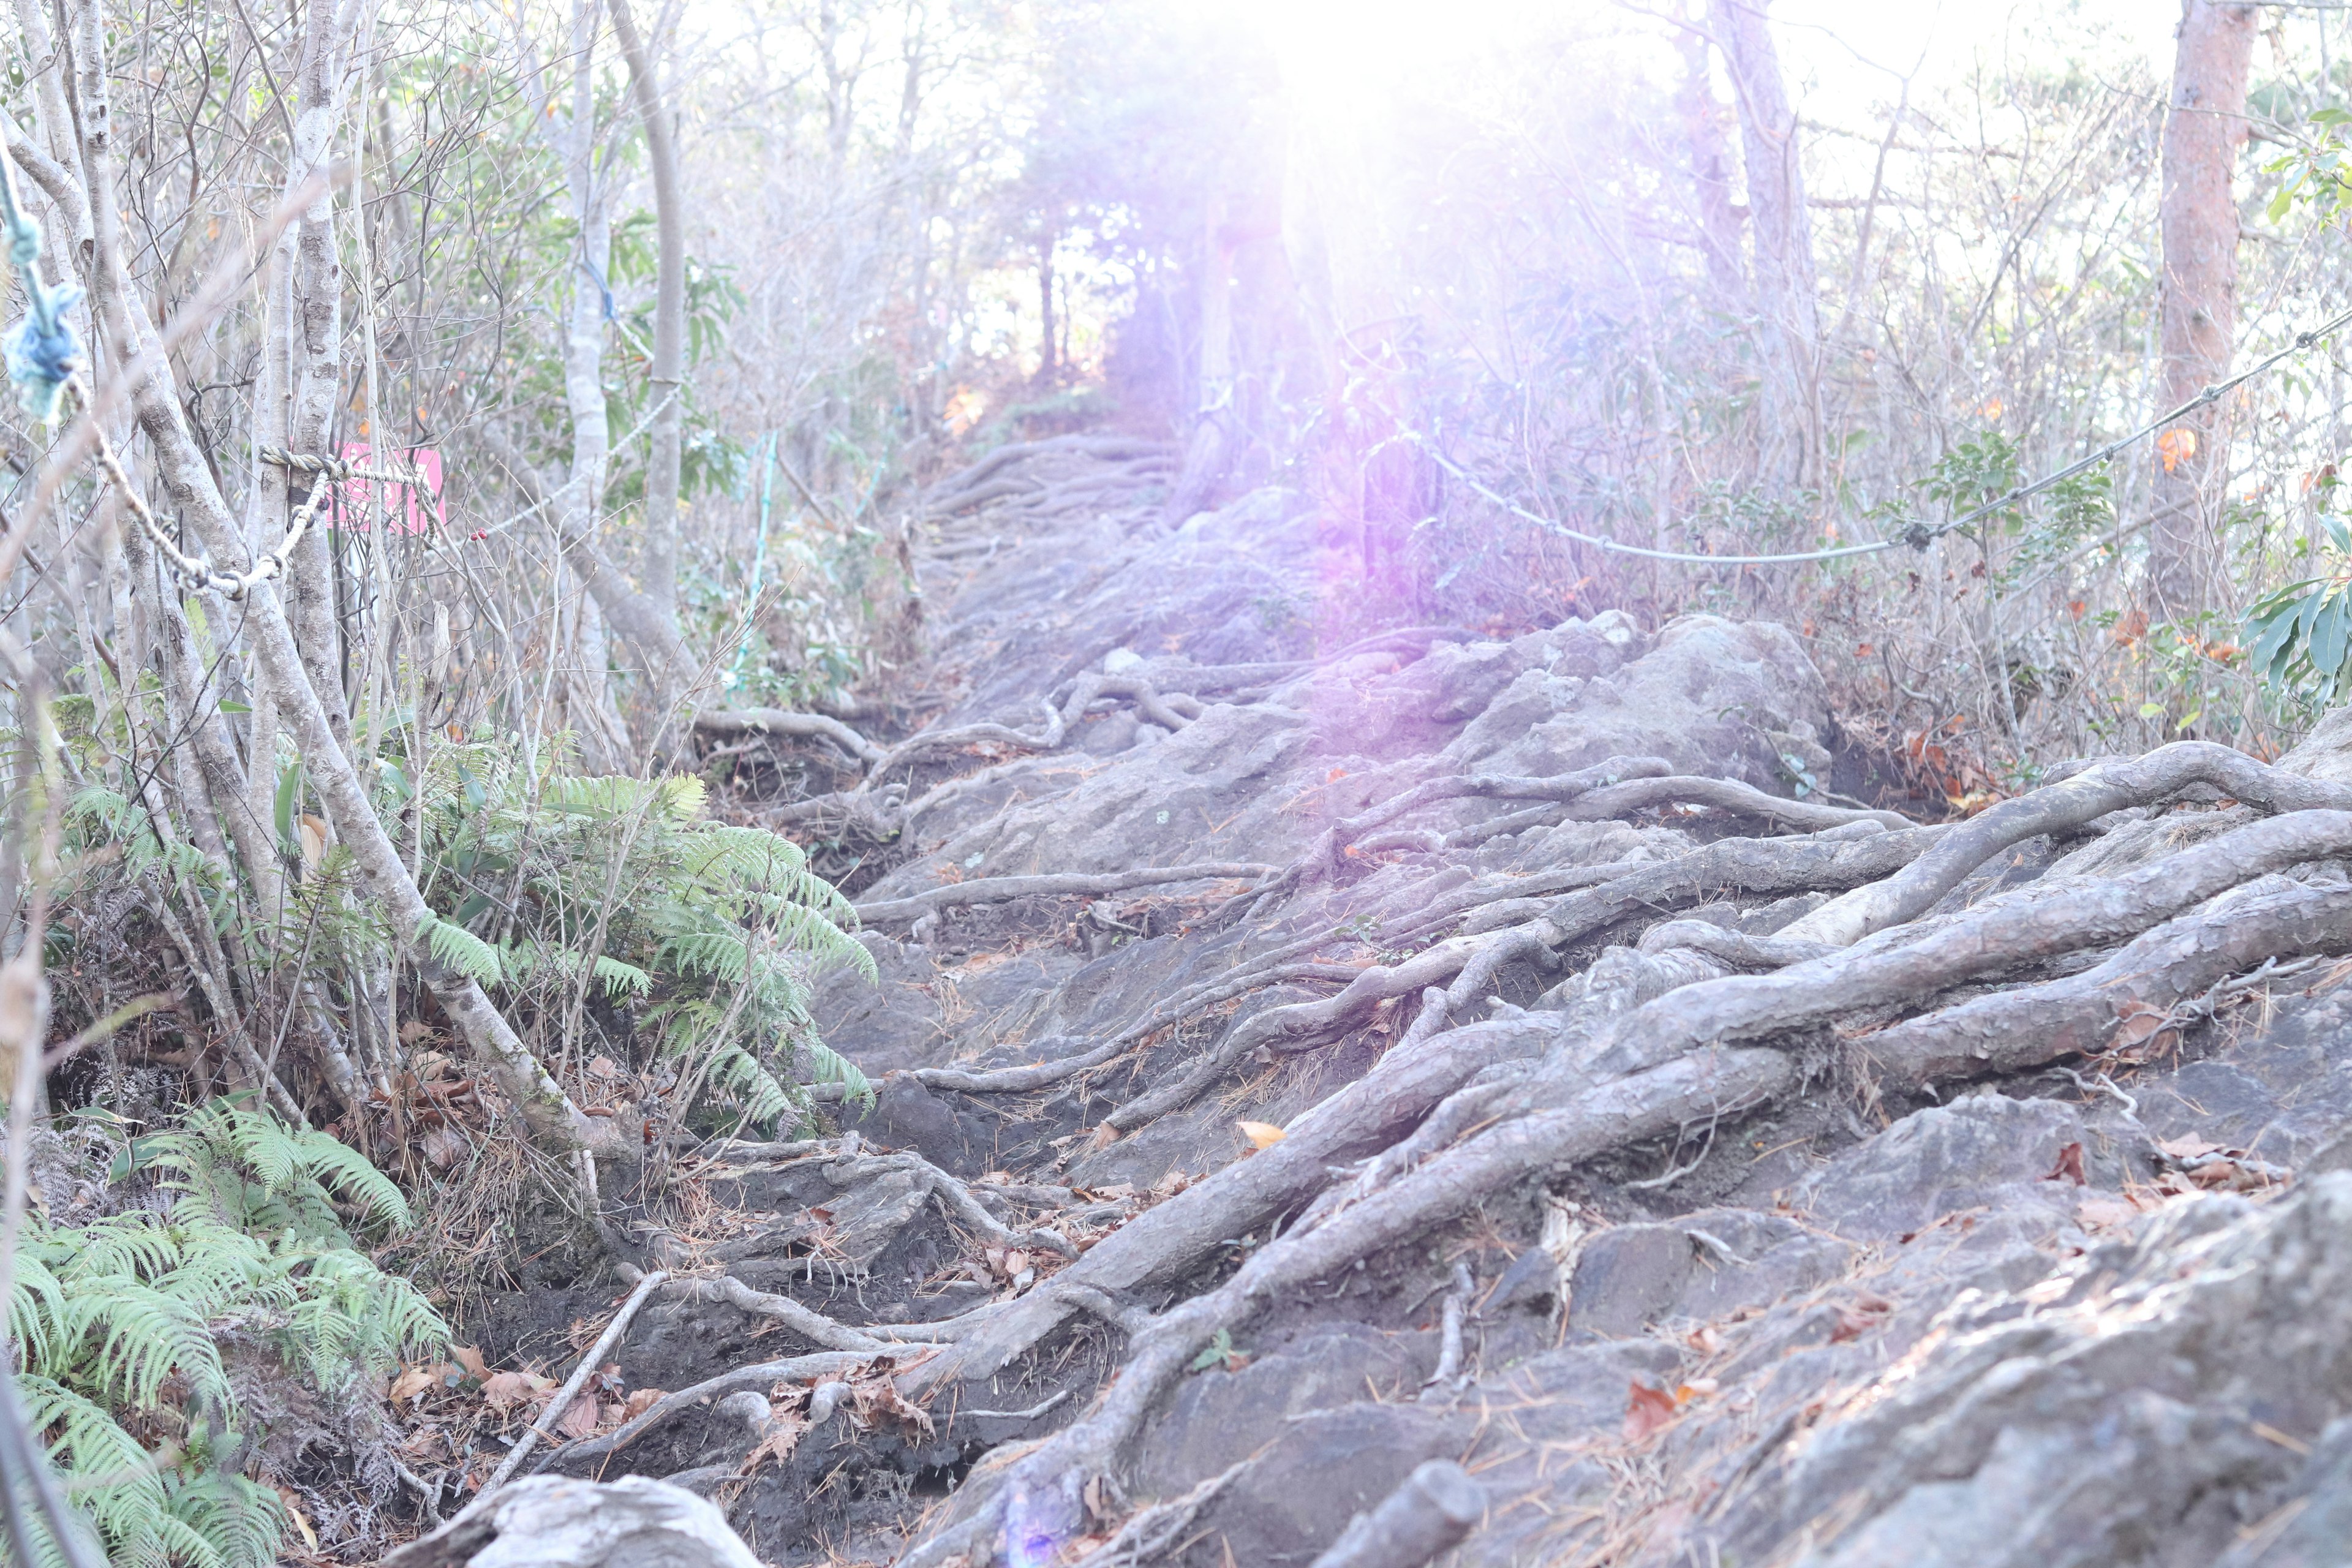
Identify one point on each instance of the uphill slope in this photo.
(1298, 1064)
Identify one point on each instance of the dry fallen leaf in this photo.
(2096, 1215)
(444, 1148)
(640, 1401)
(1646, 1410)
(582, 1417)
(471, 1360)
(876, 1400)
(1262, 1134)
(412, 1382)
(2187, 1148)
(777, 1443)
(2069, 1167)
(505, 1389)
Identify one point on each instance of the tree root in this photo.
(1003, 889)
(2017, 1030)
(1671, 1063)
(1726, 796)
(762, 1374)
(2034, 923)
(2057, 808)
(1272, 968)
(811, 1325)
(1171, 1240)
(1047, 737)
(779, 721)
(1730, 864)
(1755, 865)
(1426, 1517)
(1051, 1476)
(957, 1199)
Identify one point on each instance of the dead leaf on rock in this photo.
(1262, 1134)
(1648, 1410)
(1859, 1316)
(2102, 1215)
(2069, 1167)
(2188, 1147)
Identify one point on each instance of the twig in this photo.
(579, 1378)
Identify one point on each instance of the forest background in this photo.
(494, 424)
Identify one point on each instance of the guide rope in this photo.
(1919, 535)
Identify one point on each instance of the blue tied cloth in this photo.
(42, 352)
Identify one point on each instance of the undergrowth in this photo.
(120, 1326)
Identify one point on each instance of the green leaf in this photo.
(2328, 635)
(290, 797)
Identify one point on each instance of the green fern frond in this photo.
(621, 978)
(825, 1065)
(461, 950)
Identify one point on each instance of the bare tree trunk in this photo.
(657, 566)
(1789, 448)
(1718, 217)
(1209, 452)
(1049, 369)
(2203, 134)
(188, 480)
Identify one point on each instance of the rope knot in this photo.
(41, 360)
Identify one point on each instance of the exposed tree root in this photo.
(1675, 1064)
(2056, 808)
(2144, 985)
(760, 1375)
(779, 721)
(811, 1325)
(1005, 889)
(1722, 794)
(2034, 924)
(1047, 737)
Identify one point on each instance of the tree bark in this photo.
(1790, 434)
(2203, 131)
(657, 567)
(1718, 218)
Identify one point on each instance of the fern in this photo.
(117, 1321)
(711, 932)
(462, 951)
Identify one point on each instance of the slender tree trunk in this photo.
(1049, 368)
(657, 565)
(2202, 134)
(1209, 451)
(1789, 446)
(1710, 157)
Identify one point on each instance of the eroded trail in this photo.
(1300, 1063)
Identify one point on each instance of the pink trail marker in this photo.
(357, 503)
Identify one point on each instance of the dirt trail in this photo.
(1512, 1054)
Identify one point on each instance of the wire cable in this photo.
(1918, 536)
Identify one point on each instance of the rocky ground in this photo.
(1298, 1064)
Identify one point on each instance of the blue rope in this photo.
(759, 556)
(43, 352)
